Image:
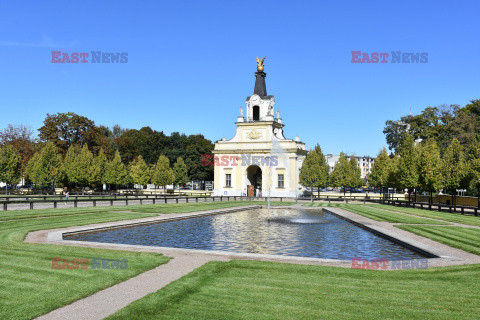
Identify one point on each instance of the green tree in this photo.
(322, 182)
(116, 173)
(66, 129)
(70, 165)
(21, 138)
(341, 174)
(197, 145)
(32, 168)
(380, 171)
(355, 174)
(86, 170)
(454, 169)
(314, 170)
(101, 167)
(10, 166)
(407, 174)
(139, 171)
(180, 172)
(162, 174)
(473, 161)
(393, 169)
(429, 167)
(49, 167)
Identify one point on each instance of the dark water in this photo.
(292, 232)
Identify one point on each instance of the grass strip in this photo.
(445, 216)
(467, 239)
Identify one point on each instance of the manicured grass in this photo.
(382, 215)
(29, 287)
(26, 273)
(147, 208)
(446, 216)
(263, 290)
(467, 239)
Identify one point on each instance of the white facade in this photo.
(365, 163)
(258, 157)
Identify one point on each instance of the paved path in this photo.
(110, 300)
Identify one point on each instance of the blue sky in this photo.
(191, 64)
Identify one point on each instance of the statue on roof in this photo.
(260, 64)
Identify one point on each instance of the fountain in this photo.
(278, 151)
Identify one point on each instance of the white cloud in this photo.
(46, 42)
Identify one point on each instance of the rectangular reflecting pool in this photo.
(289, 232)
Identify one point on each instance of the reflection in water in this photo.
(293, 232)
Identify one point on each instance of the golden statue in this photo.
(260, 64)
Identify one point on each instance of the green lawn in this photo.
(381, 215)
(467, 239)
(264, 290)
(446, 216)
(29, 287)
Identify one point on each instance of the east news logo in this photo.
(94, 56)
(97, 263)
(396, 57)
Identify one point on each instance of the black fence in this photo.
(33, 201)
(430, 206)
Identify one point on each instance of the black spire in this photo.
(260, 87)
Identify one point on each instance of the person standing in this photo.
(65, 193)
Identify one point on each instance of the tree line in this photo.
(440, 123)
(422, 167)
(80, 167)
(70, 133)
(315, 171)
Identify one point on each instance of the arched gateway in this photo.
(258, 157)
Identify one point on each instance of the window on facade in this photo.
(228, 180)
(256, 113)
(281, 181)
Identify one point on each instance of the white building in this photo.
(258, 160)
(365, 163)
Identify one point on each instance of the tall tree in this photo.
(139, 171)
(355, 173)
(473, 161)
(49, 166)
(324, 167)
(341, 174)
(10, 166)
(162, 174)
(86, 170)
(393, 169)
(116, 173)
(66, 129)
(378, 176)
(408, 164)
(313, 172)
(101, 167)
(197, 145)
(70, 165)
(180, 172)
(429, 167)
(454, 168)
(21, 138)
(32, 168)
